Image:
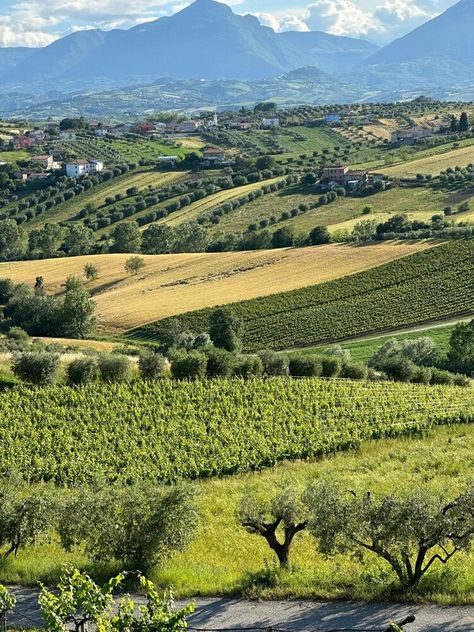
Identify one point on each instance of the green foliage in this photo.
(220, 363)
(36, 367)
(151, 365)
(248, 366)
(410, 532)
(77, 601)
(126, 237)
(432, 284)
(181, 429)
(77, 309)
(137, 526)
(225, 329)
(90, 272)
(82, 371)
(305, 366)
(114, 368)
(319, 235)
(133, 265)
(461, 347)
(189, 365)
(274, 363)
(7, 600)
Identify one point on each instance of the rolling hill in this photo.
(172, 284)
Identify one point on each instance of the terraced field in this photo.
(173, 284)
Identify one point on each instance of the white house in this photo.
(67, 135)
(270, 123)
(77, 168)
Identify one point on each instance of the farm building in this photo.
(77, 168)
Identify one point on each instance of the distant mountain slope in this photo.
(331, 53)
(438, 53)
(206, 40)
(11, 57)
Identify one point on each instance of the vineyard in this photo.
(425, 286)
(174, 430)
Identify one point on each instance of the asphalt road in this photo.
(292, 615)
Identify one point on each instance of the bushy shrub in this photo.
(274, 363)
(305, 366)
(114, 368)
(399, 368)
(190, 365)
(461, 380)
(82, 371)
(220, 363)
(438, 376)
(38, 368)
(354, 371)
(248, 366)
(421, 375)
(151, 365)
(331, 366)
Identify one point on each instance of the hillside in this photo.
(424, 286)
(438, 53)
(173, 284)
(205, 40)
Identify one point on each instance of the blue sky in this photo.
(38, 22)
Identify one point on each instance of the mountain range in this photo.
(206, 41)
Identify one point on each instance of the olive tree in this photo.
(277, 520)
(137, 526)
(411, 532)
(36, 367)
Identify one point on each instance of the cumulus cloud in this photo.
(14, 32)
(386, 21)
(281, 23)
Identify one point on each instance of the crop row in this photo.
(432, 284)
(173, 430)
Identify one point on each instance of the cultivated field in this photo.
(433, 164)
(173, 284)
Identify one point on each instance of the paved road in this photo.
(292, 615)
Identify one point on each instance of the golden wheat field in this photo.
(433, 164)
(173, 284)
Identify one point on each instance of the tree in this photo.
(13, 240)
(138, 525)
(79, 240)
(308, 179)
(285, 512)
(464, 122)
(133, 265)
(319, 235)
(225, 329)
(189, 365)
(365, 230)
(410, 532)
(220, 363)
(461, 347)
(283, 237)
(158, 239)
(25, 516)
(91, 273)
(46, 241)
(126, 238)
(78, 309)
(264, 162)
(82, 371)
(114, 368)
(151, 365)
(36, 367)
(454, 126)
(274, 363)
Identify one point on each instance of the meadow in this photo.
(172, 284)
(433, 164)
(223, 559)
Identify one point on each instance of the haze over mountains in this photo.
(207, 41)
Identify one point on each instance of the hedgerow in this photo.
(179, 429)
(428, 285)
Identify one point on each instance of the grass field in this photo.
(14, 155)
(433, 164)
(99, 193)
(363, 349)
(420, 203)
(173, 284)
(191, 212)
(224, 559)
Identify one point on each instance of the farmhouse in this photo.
(410, 135)
(22, 142)
(340, 174)
(77, 168)
(189, 127)
(214, 155)
(46, 161)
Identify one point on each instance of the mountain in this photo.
(438, 53)
(11, 57)
(331, 53)
(206, 40)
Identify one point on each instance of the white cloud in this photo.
(18, 33)
(386, 21)
(281, 23)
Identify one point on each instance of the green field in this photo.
(425, 286)
(14, 155)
